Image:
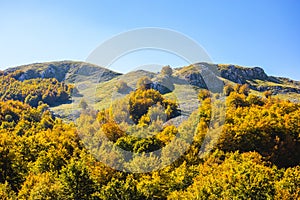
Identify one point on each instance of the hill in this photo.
(145, 135)
(75, 71)
(97, 85)
(68, 71)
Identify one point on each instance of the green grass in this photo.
(100, 95)
(226, 66)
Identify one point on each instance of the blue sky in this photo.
(249, 33)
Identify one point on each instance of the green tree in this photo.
(77, 181)
(118, 189)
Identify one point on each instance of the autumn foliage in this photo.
(33, 91)
(42, 157)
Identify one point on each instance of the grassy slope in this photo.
(101, 95)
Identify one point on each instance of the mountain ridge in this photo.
(69, 71)
(79, 71)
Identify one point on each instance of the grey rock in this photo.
(241, 75)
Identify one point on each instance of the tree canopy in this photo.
(43, 157)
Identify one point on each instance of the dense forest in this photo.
(256, 155)
(33, 91)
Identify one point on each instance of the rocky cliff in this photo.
(241, 75)
(255, 77)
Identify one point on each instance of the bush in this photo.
(122, 86)
(166, 71)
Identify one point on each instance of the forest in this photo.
(255, 156)
(33, 91)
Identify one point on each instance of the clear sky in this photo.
(262, 33)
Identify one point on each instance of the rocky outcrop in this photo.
(202, 75)
(195, 79)
(160, 88)
(278, 89)
(191, 75)
(29, 74)
(164, 84)
(241, 75)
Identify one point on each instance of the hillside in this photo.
(255, 77)
(73, 71)
(145, 135)
(97, 85)
(68, 71)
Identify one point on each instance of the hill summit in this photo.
(69, 71)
